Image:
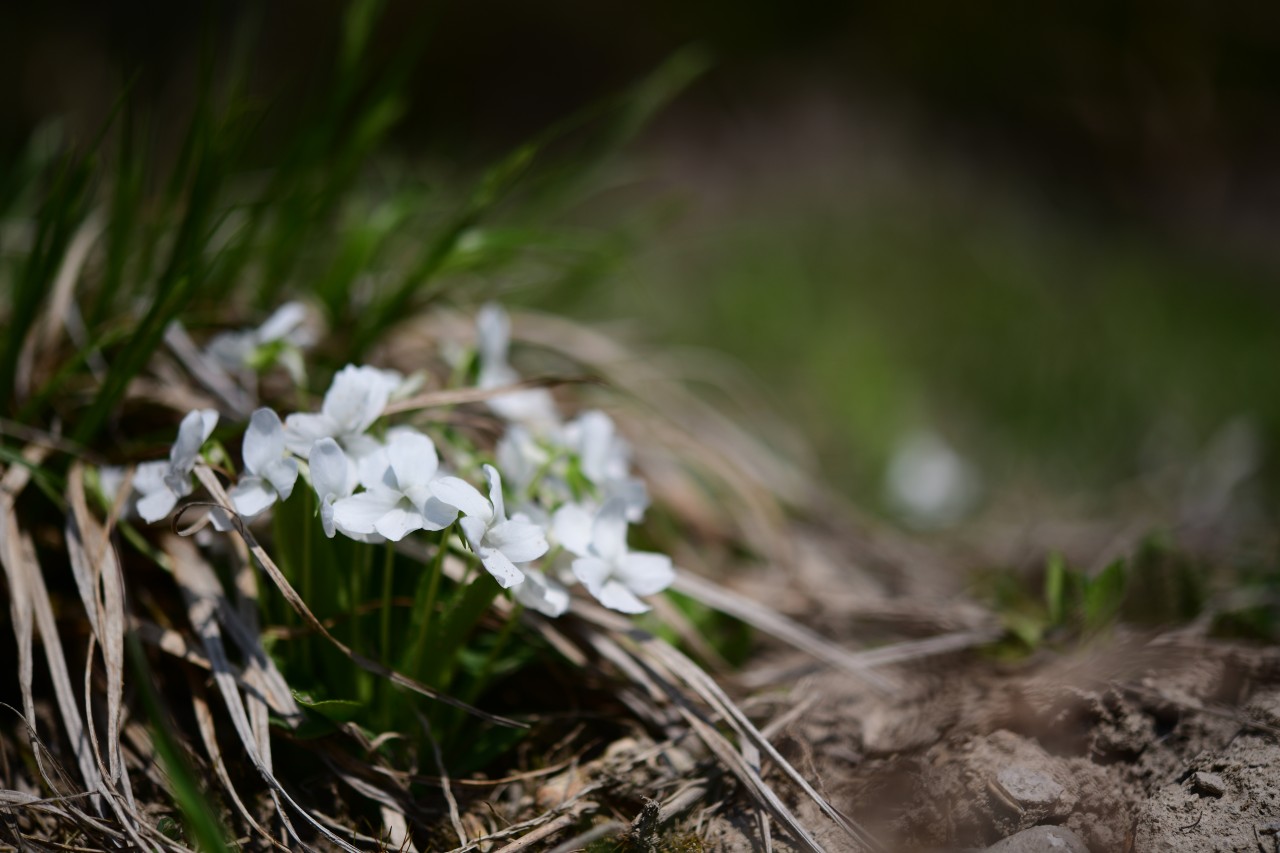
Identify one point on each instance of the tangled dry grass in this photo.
(97, 754)
(867, 716)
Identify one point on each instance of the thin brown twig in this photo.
(458, 396)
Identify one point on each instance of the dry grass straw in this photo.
(687, 445)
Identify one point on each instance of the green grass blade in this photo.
(201, 822)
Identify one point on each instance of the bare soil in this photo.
(1135, 743)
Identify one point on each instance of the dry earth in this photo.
(1139, 744)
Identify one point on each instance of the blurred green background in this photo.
(995, 260)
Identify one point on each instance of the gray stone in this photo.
(1041, 839)
(1031, 789)
(1208, 784)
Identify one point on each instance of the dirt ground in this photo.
(1137, 743)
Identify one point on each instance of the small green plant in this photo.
(1068, 604)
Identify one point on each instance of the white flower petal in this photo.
(520, 541)
(251, 496)
(609, 532)
(360, 513)
(532, 406)
(503, 570)
(466, 497)
(282, 474)
(302, 431)
(263, 441)
(231, 349)
(541, 593)
(395, 382)
(330, 470)
(293, 364)
(326, 516)
(571, 526)
(646, 573)
(592, 572)
(615, 596)
(493, 333)
(634, 496)
(287, 319)
(356, 398)
(473, 529)
(520, 458)
(437, 515)
(595, 441)
(110, 479)
(494, 479)
(374, 469)
(399, 523)
(413, 459)
(157, 505)
(360, 446)
(194, 430)
(148, 478)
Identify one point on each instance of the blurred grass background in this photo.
(1043, 237)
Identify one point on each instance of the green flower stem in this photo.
(355, 590)
(388, 572)
(466, 608)
(495, 654)
(457, 719)
(304, 578)
(365, 682)
(437, 571)
(426, 613)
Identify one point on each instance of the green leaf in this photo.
(1103, 596)
(335, 710)
(202, 823)
(1055, 588)
(464, 611)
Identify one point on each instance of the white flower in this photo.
(498, 541)
(400, 500)
(154, 499)
(532, 406)
(111, 480)
(605, 458)
(271, 472)
(288, 325)
(332, 476)
(928, 482)
(162, 484)
(353, 402)
(613, 574)
(543, 594)
(525, 462)
(605, 455)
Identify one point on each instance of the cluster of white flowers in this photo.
(564, 518)
(282, 337)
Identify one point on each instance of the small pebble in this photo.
(1208, 784)
(1029, 788)
(1041, 839)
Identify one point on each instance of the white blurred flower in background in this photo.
(533, 407)
(282, 337)
(928, 483)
